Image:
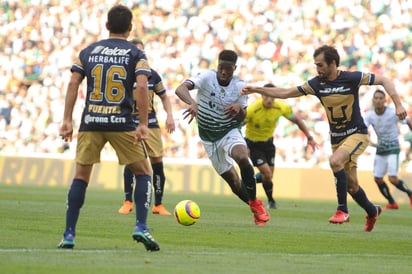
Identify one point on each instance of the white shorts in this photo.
(386, 164)
(219, 151)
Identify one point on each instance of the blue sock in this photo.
(158, 182)
(362, 200)
(128, 180)
(142, 199)
(341, 182)
(75, 200)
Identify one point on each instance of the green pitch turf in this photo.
(298, 238)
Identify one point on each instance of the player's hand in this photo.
(401, 112)
(190, 112)
(142, 133)
(170, 124)
(66, 131)
(247, 90)
(313, 144)
(234, 110)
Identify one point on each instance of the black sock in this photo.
(268, 187)
(341, 182)
(243, 195)
(158, 182)
(142, 199)
(248, 177)
(75, 200)
(362, 200)
(403, 187)
(128, 181)
(383, 188)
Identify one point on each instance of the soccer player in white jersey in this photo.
(384, 121)
(219, 109)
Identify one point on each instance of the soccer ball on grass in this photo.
(186, 212)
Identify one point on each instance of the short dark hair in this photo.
(269, 85)
(119, 19)
(330, 54)
(228, 56)
(380, 91)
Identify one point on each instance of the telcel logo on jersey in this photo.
(110, 51)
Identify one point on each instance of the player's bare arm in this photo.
(167, 106)
(275, 92)
(301, 125)
(389, 87)
(66, 130)
(141, 90)
(182, 91)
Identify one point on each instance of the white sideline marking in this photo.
(112, 251)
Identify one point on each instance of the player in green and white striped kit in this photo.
(219, 110)
(384, 121)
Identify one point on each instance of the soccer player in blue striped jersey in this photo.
(153, 144)
(219, 110)
(338, 92)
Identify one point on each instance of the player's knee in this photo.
(243, 162)
(335, 164)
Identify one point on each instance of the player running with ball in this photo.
(219, 111)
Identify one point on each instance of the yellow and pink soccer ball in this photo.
(187, 212)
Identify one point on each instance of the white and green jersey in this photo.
(212, 99)
(386, 129)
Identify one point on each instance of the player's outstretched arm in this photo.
(275, 92)
(182, 91)
(389, 87)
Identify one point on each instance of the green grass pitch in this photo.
(298, 238)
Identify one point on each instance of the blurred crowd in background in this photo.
(275, 40)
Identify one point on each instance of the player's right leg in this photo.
(88, 149)
(267, 173)
(393, 168)
(382, 164)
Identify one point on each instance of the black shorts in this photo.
(262, 152)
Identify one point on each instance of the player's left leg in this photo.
(355, 145)
(267, 173)
(135, 157)
(239, 153)
(154, 146)
(360, 197)
(159, 184)
(128, 181)
(393, 167)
